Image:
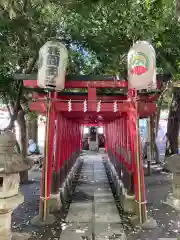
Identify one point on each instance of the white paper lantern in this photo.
(142, 66)
(53, 59)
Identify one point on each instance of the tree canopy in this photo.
(98, 35)
(100, 31)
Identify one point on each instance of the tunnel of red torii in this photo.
(68, 111)
(116, 112)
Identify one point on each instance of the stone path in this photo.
(93, 214)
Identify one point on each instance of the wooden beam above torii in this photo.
(146, 105)
(144, 108)
(85, 81)
(108, 97)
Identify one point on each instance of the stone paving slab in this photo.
(77, 231)
(109, 231)
(80, 212)
(106, 212)
(103, 200)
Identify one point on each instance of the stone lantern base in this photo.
(172, 163)
(20, 236)
(6, 208)
(173, 202)
(11, 202)
(11, 164)
(5, 229)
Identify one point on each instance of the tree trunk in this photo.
(23, 142)
(178, 8)
(173, 124)
(154, 123)
(154, 131)
(33, 129)
(155, 126)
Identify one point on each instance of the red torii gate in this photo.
(117, 112)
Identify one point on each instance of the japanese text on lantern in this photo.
(53, 58)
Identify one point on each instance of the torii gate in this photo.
(119, 114)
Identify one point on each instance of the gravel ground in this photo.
(158, 186)
(25, 212)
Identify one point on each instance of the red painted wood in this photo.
(38, 106)
(120, 126)
(133, 115)
(92, 101)
(59, 143)
(63, 145)
(104, 98)
(79, 107)
(84, 84)
(144, 109)
(50, 148)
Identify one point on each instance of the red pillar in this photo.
(137, 157)
(62, 152)
(81, 137)
(65, 147)
(51, 148)
(92, 96)
(48, 161)
(106, 137)
(68, 144)
(71, 132)
(56, 178)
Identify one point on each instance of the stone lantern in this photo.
(11, 164)
(172, 163)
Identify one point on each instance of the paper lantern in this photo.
(53, 59)
(142, 66)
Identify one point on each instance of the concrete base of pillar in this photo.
(56, 181)
(20, 236)
(55, 203)
(36, 221)
(62, 198)
(119, 189)
(173, 202)
(149, 223)
(64, 194)
(128, 203)
(68, 188)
